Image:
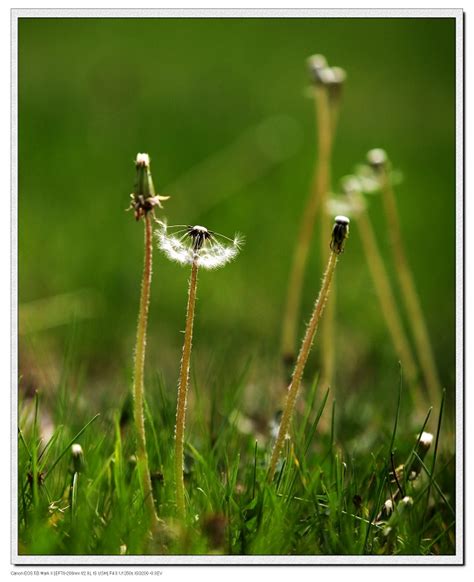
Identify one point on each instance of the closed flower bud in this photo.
(422, 447)
(144, 184)
(316, 64)
(77, 455)
(377, 158)
(144, 198)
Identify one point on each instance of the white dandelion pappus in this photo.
(197, 244)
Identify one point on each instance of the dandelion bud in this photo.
(144, 197)
(422, 447)
(77, 455)
(339, 75)
(377, 159)
(388, 507)
(424, 443)
(144, 184)
(327, 76)
(335, 81)
(397, 517)
(316, 64)
(405, 504)
(340, 232)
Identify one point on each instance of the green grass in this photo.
(325, 499)
(232, 141)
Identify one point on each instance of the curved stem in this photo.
(301, 363)
(183, 392)
(138, 376)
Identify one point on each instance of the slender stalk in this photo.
(294, 387)
(138, 376)
(385, 296)
(409, 293)
(315, 201)
(327, 326)
(183, 391)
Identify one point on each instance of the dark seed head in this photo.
(199, 234)
(340, 232)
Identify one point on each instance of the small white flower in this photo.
(189, 244)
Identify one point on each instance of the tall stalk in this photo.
(143, 203)
(183, 391)
(406, 282)
(340, 233)
(198, 247)
(138, 376)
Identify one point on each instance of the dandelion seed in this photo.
(199, 245)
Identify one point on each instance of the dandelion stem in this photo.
(385, 296)
(183, 391)
(409, 293)
(138, 377)
(295, 384)
(316, 199)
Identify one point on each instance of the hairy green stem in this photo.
(183, 392)
(295, 384)
(138, 376)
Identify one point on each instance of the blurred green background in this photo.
(222, 107)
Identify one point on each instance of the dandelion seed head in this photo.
(198, 245)
(340, 232)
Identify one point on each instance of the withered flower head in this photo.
(144, 198)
